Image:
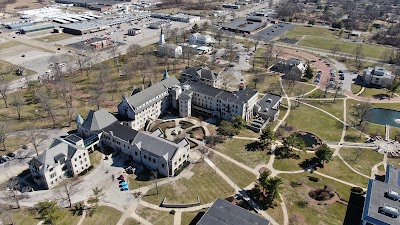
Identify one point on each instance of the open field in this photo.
(248, 133)
(155, 216)
(361, 160)
(336, 168)
(300, 30)
(276, 213)
(335, 108)
(205, 183)
(369, 50)
(304, 118)
(270, 83)
(371, 92)
(298, 201)
(320, 94)
(55, 37)
(24, 216)
(238, 175)
(15, 142)
(236, 149)
(103, 215)
(298, 89)
(355, 88)
(292, 164)
(7, 71)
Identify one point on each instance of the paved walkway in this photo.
(336, 179)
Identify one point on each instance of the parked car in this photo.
(340, 71)
(11, 154)
(341, 78)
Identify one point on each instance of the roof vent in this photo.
(393, 195)
(390, 210)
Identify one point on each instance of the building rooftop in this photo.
(98, 120)
(267, 102)
(237, 97)
(243, 24)
(378, 71)
(121, 131)
(377, 199)
(223, 212)
(202, 72)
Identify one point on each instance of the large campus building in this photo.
(381, 205)
(377, 76)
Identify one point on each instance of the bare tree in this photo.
(256, 79)
(257, 40)
(67, 190)
(227, 78)
(17, 102)
(99, 86)
(335, 49)
(134, 50)
(203, 151)
(13, 186)
(47, 104)
(145, 65)
(155, 175)
(3, 135)
(33, 137)
(4, 89)
(64, 91)
(268, 55)
(219, 36)
(113, 51)
(361, 112)
(358, 52)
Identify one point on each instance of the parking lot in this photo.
(273, 31)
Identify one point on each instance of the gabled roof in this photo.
(203, 72)
(145, 95)
(224, 213)
(157, 145)
(58, 149)
(97, 120)
(121, 131)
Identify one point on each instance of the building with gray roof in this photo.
(63, 159)
(223, 212)
(266, 111)
(381, 206)
(377, 77)
(95, 122)
(148, 104)
(248, 25)
(201, 74)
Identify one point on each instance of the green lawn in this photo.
(205, 183)
(335, 108)
(369, 50)
(292, 164)
(188, 217)
(238, 175)
(394, 161)
(355, 88)
(235, 148)
(313, 213)
(269, 84)
(336, 168)
(276, 213)
(248, 133)
(300, 30)
(95, 158)
(282, 112)
(25, 216)
(320, 94)
(155, 216)
(131, 221)
(299, 88)
(103, 215)
(354, 136)
(7, 71)
(305, 118)
(361, 160)
(55, 37)
(394, 106)
(370, 92)
(66, 218)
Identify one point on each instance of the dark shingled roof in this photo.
(203, 72)
(156, 145)
(121, 131)
(97, 120)
(224, 213)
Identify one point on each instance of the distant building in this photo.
(198, 38)
(293, 68)
(247, 25)
(202, 75)
(223, 212)
(377, 76)
(134, 31)
(64, 158)
(169, 50)
(266, 111)
(38, 27)
(381, 206)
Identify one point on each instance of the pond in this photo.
(385, 116)
(309, 139)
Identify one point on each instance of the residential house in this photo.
(198, 38)
(223, 212)
(381, 206)
(64, 158)
(202, 75)
(377, 76)
(169, 50)
(293, 69)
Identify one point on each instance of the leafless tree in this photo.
(361, 112)
(268, 55)
(203, 151)
(13, 186)
(335, 49)
(257, 40)
(3, 135)
(4, 89)
(47, 104)
(17, 102)
(113, 51)
(227, 78)
(155, 175)
(256, 79)
(145, 65)
(219, 36)
(358, 52)
(33, 137)
(134, 50)
(64, 91)
(67, 190)
(99, 86)
(129, 70)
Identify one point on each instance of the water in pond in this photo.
(308, 138)
(385, 116)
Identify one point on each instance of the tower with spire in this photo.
(162, 39)
(79, 121)
(165, 76)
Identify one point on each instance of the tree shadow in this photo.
(308, 163)
(254, 146)
(354, 209)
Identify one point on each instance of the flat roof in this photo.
(242, 24)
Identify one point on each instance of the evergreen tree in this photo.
(48, 211)
(267, 137)
(309, 72)
(195, 28)
(324, 154)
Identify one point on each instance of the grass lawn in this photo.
(155, 216)
(55, 37)
(300, 30)
(248, 133)
(353, 135)
(361, 160)
(299, 88)
(305, 118)
(66, 218)
(103, 215)
(370, 92)
(313, 213)
(320, 94)
(5, 67)
(369, 50)
(355, 88)
(95, 158)
(282, 112)
(394, 106)
(236, 149)
(292, 164)
(24, 216)
(131, 221)
(270, 83)
(335, 108)
(15, 142)
(276, 213)
(393, 161)
(189, 218)
(336, 168)
(238, 175)
(205, 183)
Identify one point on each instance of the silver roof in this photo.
(98, 120)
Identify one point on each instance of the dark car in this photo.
(340, 71)
(313, 61)
(11, 154)
(341, 78)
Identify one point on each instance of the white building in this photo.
(169, 50)
(377, 76)
(148, 104)
(64, 158)
(198, 38)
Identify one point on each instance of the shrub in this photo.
(302, 204)
(357, 190)
(172, 212)
(314, 179)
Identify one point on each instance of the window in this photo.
(145, 157)
(135, 153)
(80, 156)
(51, 169)
(175, 163)
(52, 175)
(154, 161)
(85, 159)
(76, 159)
(162, 165)
(84, 153)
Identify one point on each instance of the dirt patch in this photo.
(19, 5)
(197, 133)
(178, 187)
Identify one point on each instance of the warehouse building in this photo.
(134, 31)
(39, 27)
(247, 25)
(18, 26)
(177, 17)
